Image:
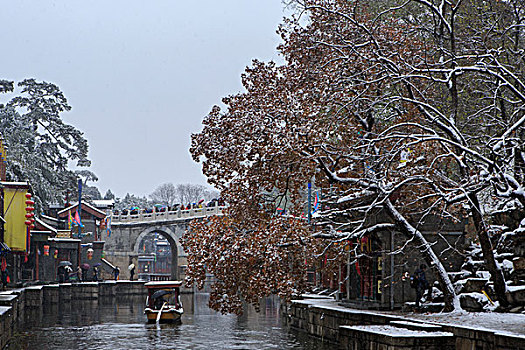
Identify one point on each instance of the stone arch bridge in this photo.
(127, 232)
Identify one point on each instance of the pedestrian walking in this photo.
(420, 283)
(5, 278)
(68, 271)
(116, 272)
(95, 273)
(4, 274)
(131, 269)
(79, 274)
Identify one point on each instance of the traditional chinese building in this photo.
(15, 232)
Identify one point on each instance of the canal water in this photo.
(120, 324)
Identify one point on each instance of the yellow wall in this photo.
(15, 210)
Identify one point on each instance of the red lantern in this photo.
(29, 215)
(31, 227)
(32, 220)
(46, 250)
(28, 195)
(30, 202)
(27, 222)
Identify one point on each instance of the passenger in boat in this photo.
(158, 303)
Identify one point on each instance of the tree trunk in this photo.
(451, 299)
(488, 253)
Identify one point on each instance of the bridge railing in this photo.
(166, 215)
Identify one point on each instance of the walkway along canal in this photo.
(360, 329)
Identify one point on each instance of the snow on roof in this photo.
(42, 223)
(50, 218)
(23, 185)
(161, 284)
(7, 183)
(99, 203)
(54, 239)
(84, 204)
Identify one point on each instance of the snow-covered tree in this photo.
(192, 193)
(170, 194)
(39, 143)
(91, 193)
(131, 200)
(417, 108)
(109, 195)
(249, 261)
(164, 194)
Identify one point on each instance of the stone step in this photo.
(473, 265)
(416, 326)
(460, 275)
(410, 306)
(391, 337)
(519, 263)
(473, 302)
(483, 274)
(504, 256)
(470, 285)
(516, 295)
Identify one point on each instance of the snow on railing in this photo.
(143, 216)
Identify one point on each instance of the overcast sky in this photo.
(140, 75)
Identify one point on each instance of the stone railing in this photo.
(155, 277)
(142, 216)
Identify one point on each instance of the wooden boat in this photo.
(163, 302)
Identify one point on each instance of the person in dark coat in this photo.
(5, 277)
(61, 274)
(131, 268)
(422, 284)
(116, 272)
(95, 273)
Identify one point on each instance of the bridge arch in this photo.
(169, 234)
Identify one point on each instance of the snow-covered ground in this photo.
(505, 323)
(494, 321)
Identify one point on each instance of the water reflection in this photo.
(120, 324)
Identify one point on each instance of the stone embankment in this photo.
(346, 328)
(14, 303)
